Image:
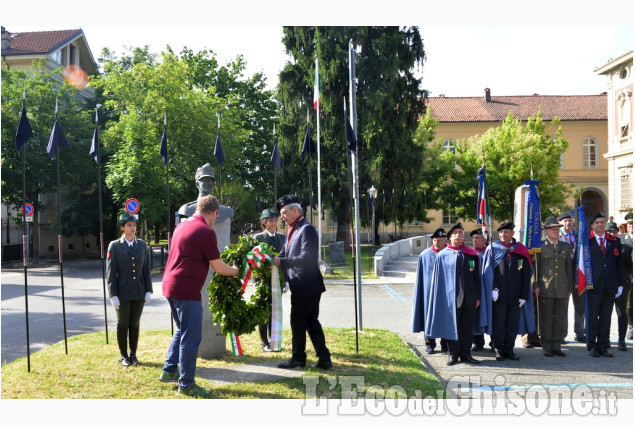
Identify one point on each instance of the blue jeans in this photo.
(188, 317)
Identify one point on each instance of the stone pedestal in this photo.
(336, 253)
(213, 343)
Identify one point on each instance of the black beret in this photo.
(565, 215)
(286, 200)
(476, 232)
(508, 225)
(453, 228)
(439, 233)
(596, 216)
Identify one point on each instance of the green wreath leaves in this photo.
(226, 302)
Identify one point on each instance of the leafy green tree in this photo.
(390, 101)
(192, 89)
(42, 90)
(510, 152)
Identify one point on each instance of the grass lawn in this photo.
(346, 271)
(91, 369)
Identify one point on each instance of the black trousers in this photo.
(304, 319)
(464, 323)
(622, 317)
(600, 308)
(128, 320)
(265, 332)
(504, 326)
(432, 342)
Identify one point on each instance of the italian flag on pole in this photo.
(317, 89)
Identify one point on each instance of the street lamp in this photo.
(372, 193)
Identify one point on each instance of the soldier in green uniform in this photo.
(627, 249)
(269, 235)
(129, 285)
(553, 283)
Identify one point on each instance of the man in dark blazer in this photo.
(608, 278)
(626, 239)
(299, 263)
(269, 235)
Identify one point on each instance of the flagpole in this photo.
(353, 119)
(25, 245)
(354, 239)
(101, 219)
(275, 170)
(59, 238)
(167, 180)
(310, 180)
(319, 194)
(220, 165)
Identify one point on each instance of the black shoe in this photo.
(621, 345)
(125, 361)
(580, 338)
(547, 353)
(606, 353)
(499, 356)
(470, 359)
(511, 356)
(326, 365)
(593, 352)
(291, 364)
(559, 353)
(452, 361)
(444, 349)
(266, 348)
(430, 350)
(477, 347)
(133, 360)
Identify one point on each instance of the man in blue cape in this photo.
(480, 244)
(455, 291)
(507, 272)
(422, 287)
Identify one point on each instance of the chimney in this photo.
(488, 98)
(6, 39)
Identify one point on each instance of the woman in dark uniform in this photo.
(129, 285)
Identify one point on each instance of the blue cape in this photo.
(422, 288)
(493, 255)
(441, 311)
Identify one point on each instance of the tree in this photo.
(389, 104)
(41, 173)
(510, 151)
(192, 89)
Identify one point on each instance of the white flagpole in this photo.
(319, 202)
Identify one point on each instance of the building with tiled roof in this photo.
(64, 48)
(583, 120)
(619, 74)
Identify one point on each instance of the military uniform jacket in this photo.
(607, 268)
(512, 279)
(554, 271)
(626, 240)
(128, 270)
(276, 241)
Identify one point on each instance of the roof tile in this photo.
(39, 41)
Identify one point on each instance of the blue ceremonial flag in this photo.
(275, 156)
(164, 147)
(308, 145)
(351, 139)
(483, 214)
(533, 225)
(24, 130)
(583, 275)
(218, 150)
(57, 140)
(94, 146)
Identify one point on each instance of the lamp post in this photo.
(372, 193)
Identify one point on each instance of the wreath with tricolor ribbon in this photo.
(229, 308)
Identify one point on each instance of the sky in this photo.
(462, 59)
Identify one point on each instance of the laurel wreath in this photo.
(229, 308)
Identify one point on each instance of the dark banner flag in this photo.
(351, 139)
(164, 147)
(275, 156)
(94, 146)
(308, 145)
(57, 139)
(218, 150)
(24, 132)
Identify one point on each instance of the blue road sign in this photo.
(132, 206)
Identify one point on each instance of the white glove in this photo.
(495, 295)
(521, 303)
(619, 291)
(148, 296)
(115, 302)
(286, 288)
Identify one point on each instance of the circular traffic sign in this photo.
(27, 209)
(132, 206)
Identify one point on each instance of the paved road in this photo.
(386, 305)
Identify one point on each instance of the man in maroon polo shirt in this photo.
(193, 250)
